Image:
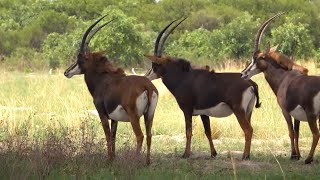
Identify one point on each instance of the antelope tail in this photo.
(149, 94)
(256, 92)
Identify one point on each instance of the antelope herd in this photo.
(198, 91)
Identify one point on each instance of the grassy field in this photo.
(48, 131)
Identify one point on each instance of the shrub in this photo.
(294, 39)
(239, 35)
(123, 39)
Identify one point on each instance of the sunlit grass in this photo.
(38, 106)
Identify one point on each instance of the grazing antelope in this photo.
(205, 93)
(116, 96)
(297, 94)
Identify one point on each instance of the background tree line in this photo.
(37, 34)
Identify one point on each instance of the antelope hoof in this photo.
(246, 158)
(308, 160)
(295, 157)
(213, 154)
(138, 153)
(111, 158)
(148, 162)
(186, 155)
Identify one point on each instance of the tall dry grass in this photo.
(47, 129)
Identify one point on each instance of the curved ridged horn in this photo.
(87, 32)
(163, 40)
(159, 37)
(94, 31)
(261, 30)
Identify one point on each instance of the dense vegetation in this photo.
(39, 34)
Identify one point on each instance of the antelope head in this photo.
(87, 60)
(258, 63)
(160, 64)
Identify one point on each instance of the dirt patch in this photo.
(253, 165)
(221, 165)
(203, 163)
(225, 162)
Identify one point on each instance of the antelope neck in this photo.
(275, 77)
(94, 80)
(174, 80)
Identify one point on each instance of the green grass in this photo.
(46, 131)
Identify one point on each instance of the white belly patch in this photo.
(119, 114)
(299, 113)
(220, 110)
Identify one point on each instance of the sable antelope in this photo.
(116, 96)
(297, 94)
(201, 92)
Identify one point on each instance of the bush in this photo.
(239, 36)
(25, 59)
(198, 45)
(294, 39)
(60, 50)
(123, 39)
(235, 40)
(317, 56)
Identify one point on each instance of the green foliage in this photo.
(122, 39)
(26, 60)
(193, 44)
(214, 30)
(51, 21)
(317, 56)
(294, 39)
(58, 50)
(198, 45)
(239, 35)
(233, 40)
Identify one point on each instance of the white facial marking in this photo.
(152, 75)
(74, 71)
(152, 105)
(251, 63)
(119, 114)
(254, 71)
(299, 113)
(250, 70)
(220, 110)
(316, 104)
(248, 67)
(141, 103)
(248, 100)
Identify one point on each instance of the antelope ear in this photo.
(274, 48)
(154, 59)
(267, 50)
